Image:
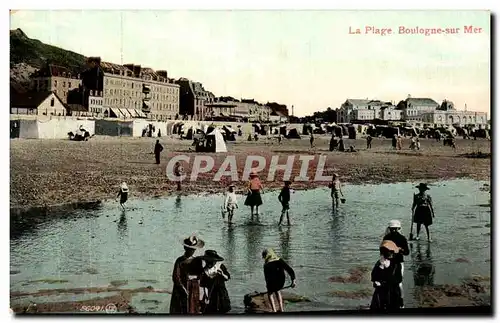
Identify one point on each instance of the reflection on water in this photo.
(122, 226)
(423, 267)
(285, 242)
(318, 245)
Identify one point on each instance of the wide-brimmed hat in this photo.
(335, 174)
(230, 185)
(422, 186)
(288, 182)
(253, 173)
(193, 242)
(394, 224)
(389, 245)
(211, 255)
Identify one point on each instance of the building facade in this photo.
(365, 110)
(44, 103)
(193, 99)
(447, 115)
(413, 108)
(130, 91)
(55, 79)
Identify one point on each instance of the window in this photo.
(52, 101)
(69, 84)
(64, 84)
(55, 83)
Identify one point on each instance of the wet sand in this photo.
(60, 172)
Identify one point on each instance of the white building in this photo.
(96, 104)
(354, 109)
(37, 103)
(413, 108)
(447, 115)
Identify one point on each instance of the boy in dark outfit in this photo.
(274, 273)
(284, 199)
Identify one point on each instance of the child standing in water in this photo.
(178, 171)
(336, 188)
(230, 203)
(284, 199)
(123, 194)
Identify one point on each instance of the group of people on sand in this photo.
(199, 282)
(388, 272)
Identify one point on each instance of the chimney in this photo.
(137, 70)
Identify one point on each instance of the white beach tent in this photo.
(220, 145)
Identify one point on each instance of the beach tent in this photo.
(218, 139)
(351, 132)
(292, 133)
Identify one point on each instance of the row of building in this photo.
(107, 90)
(417, 111)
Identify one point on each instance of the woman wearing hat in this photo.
(185, 296)
(422, 210)
(215, 274)
(386, 277)
(253, 198)
(123, 195)
(274, 273)
(393, 233)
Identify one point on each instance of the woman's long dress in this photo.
(183, 268)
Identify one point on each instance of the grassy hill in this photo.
(28, 55)
(35, 53)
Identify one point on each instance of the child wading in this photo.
(123, 194)
(336, 188)
(422, 210)
(386, 277)
(274, 273)
(253, 197)
(178, 172)
(230, 203)
(284, 198)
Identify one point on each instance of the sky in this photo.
(307, 59)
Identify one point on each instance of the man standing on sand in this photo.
(311, 139)
(369, 142)
(158, 150)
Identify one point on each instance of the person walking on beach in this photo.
(393, 233)
(394, 142)
(386, 277)
(336, 189)
(284, 199)
(311, 139)
(274, 274)
(253, 197)
(399, 143)
(123, 195)
(185, 295)
(230, 203)
(178, 172)
(422, 210)
(213, 282)
(369, 142)
(158, 149)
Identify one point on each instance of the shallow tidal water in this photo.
(94, 248)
